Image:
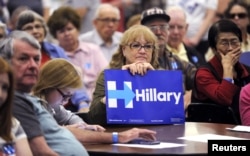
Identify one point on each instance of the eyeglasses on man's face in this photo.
(163, 28)
(108, 20)
(65, 97)
(138, 46)
(239, 15)
(226, 43)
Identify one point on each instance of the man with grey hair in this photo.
(45, 136)
(178, 27)
(105, 34)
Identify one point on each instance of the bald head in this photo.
(177, 26)
(176, 11)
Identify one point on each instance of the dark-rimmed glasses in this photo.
(138, 46)
(239, 15)
(64, 96)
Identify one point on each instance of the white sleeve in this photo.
(212, 4)
(46, 3)
(17, 130)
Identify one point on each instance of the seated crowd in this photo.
(51, 72)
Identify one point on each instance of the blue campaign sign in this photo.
(155, 98)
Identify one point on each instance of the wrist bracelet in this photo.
(115, 137)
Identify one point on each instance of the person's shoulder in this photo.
(118, 34)
(117, 37)
(89, 46)
(46, 43)
(49, 46)
(183, 62)
(19, 95)
(21, 99)
(205, 70)
(86, 35)
(191, 50)
(246, 88)
(101, 74)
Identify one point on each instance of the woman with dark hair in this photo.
(13, 139)
(238, 12)
(221, 79)
(64, 25)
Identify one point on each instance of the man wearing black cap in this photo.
(157, 20)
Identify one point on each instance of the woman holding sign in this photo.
(138, 53)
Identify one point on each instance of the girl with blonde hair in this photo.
(58, 80)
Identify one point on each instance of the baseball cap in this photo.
(153, 13)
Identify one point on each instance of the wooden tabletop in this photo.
(168, 133)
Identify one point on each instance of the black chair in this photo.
(213, 113)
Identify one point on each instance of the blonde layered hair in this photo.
(57, 73)
(129, 36)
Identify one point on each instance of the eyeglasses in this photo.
(108, 20)
(160, 27)
(30, 28)
(138, 46)
(226, 44)
(239, 15)
(65, 97)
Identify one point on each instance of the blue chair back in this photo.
(245, 58)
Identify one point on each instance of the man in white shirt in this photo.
(106, 21)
